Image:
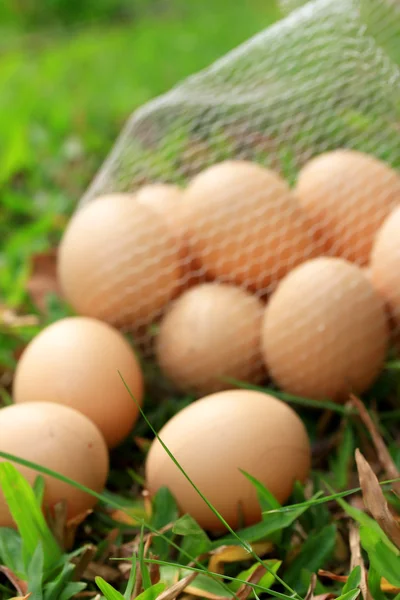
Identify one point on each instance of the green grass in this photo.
(66, 95)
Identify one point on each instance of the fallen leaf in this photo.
(10, 319)
(383, 454)
(148, 508)
(245, 590)
(327, 596)
(332, 576)
(21, 597)
(63, 529)
(388, 587)
(142, 443)
(375, 500)
(43, 278)
(154, 570)
(357, 560)
(83, 561)
(108, 545)
(202, 593)
(229, 554)
(311, 588)
(20, 585)
(95, 569)
(123, 517)
(177, 588)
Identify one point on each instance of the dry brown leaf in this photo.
(383, 454)
(229, 554)
(21, 597)
(177, 588)
(327, 596)
(122, 516)
(109, 545)
(357, 560)
(388, 588)
(311, 587)
(83, 561)
(375, 501)
(126, 550)
(154, 570)
(10, 319)
(95, 569)
(142, 443)
(204, 594)
(148, 508)
(43, 279)
(245, 590)
(332, 576)
(20, 585)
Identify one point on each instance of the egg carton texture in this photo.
(325, 77)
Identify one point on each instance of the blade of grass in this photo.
(353, 581)
(107, 590)
(254, 586)
(102, 498)
(307, 402)
(146, 581)
(210, 506)
(131, 580)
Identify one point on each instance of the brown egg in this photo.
(325, 331)
(167, 200)
(385, 263)
(347, 195)
(244, 224)
(118, 261)
(58, 438)
(210, 333)
(213, 438)
(75, 361)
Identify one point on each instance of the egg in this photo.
(244, 225)
(216, 437)
(210, 333)
(168, 201)
(61, 439)
(385, 263)
(325, 331)
(118, 261)
(347, 195)
(75, 361)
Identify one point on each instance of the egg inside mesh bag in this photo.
(325, 77)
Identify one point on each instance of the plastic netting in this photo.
(325, 77)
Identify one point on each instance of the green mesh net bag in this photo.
(235, 226)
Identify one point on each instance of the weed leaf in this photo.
(107, 590)
(28, 516)
(381, 556)
(313, 554)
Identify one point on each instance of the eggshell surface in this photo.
(347, 195)
(213, 438)
(385, 263)
(75, 361)
(325, 331)
(168, 202)
(210, 333)
(244, 225)
(58, 438)
(118, 261)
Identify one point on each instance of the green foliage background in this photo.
(71, 72)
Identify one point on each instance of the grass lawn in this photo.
(69, 80)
